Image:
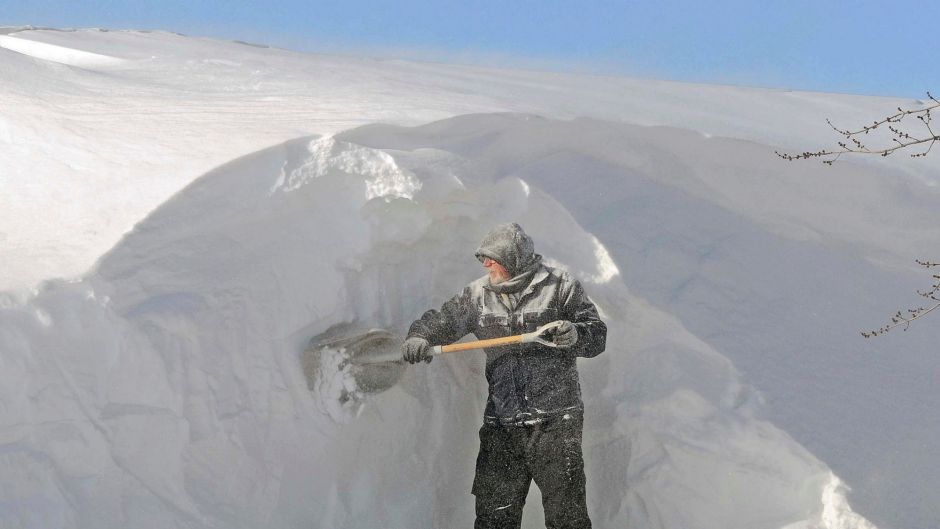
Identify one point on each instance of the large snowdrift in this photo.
(165, 389)
(89, 147)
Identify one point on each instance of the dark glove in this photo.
(416, 349)
(565, 334)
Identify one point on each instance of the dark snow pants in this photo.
(512, 456)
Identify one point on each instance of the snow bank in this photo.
(165, 389)
(88, 151)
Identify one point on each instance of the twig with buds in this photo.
(900, 137)
(900, 319)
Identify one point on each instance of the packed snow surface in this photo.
(163, 387)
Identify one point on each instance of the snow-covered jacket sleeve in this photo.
(578, 309)
(454, 321)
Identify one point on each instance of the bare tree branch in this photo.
(901, 138)
(899, 319)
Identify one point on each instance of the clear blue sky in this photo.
(864, 47)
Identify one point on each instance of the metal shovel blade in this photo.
(374, 356)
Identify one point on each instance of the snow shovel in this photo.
(374, 356)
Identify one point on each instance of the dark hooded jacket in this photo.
(527, 382)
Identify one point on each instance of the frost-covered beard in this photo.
(497, 273)
(496, 279)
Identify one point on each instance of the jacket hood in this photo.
(508, 245)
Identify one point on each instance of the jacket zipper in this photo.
(521, 398)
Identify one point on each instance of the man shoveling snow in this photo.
(534, 414)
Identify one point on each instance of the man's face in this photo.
(498, 274)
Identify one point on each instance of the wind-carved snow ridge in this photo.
(836, 511)
(383, 177)
(598, 271)
(606, 268)
(59, 54)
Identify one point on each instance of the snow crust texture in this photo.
(165, 388)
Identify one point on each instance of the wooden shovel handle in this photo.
(480, 344)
